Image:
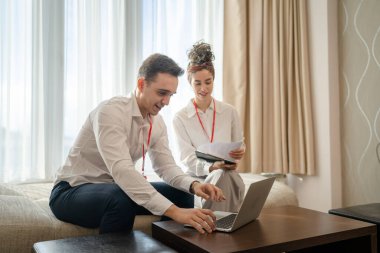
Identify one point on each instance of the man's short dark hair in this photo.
(159, 63)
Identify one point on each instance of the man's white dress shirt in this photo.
(108, 147)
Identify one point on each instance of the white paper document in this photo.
(219, 150)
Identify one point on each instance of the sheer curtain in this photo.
(30, 83)
(96, 55)
(59, 59)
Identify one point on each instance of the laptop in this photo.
(250, 209)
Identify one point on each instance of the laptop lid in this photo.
(253, 203)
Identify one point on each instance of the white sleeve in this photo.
(162, 159)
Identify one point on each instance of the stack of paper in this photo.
(217, 151)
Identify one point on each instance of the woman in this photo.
(206, 120)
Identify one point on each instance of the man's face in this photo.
(156, 94)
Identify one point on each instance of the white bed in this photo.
(25, 216)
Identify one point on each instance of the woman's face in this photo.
(202, 83)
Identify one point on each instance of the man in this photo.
(98, 186)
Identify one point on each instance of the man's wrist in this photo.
(170, 212)
(191, 190)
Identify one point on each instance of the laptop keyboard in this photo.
(226, 222)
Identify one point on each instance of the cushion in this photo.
(280, 194)
(26, 218)
(6, 190)
(34, 190)
(21, 223)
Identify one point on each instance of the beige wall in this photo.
(345, 71)
(359, 57)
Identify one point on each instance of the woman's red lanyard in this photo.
(200, 121)
(143, 146)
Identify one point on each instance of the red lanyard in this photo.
(143, 146)
(200, 121)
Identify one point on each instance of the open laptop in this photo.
(250, 209)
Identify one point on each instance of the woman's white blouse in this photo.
(190, 135)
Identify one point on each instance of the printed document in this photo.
(217, 151)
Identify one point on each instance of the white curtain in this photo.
(59, 59)
(172, 27)
(31, 85)
(96, 56)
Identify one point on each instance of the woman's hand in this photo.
(221, 165)
(202, 220)
(238, 153)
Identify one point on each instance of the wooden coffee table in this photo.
(135, 241)
(279, 229)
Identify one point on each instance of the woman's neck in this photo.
(203, 104)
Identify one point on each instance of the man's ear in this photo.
(140, 83)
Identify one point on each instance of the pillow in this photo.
(6, 190)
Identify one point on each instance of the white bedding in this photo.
(280, 194)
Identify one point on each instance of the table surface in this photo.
(277, 229)
(135, 241)
(367, 212)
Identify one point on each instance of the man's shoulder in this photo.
(117, 105)
(118, 100)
